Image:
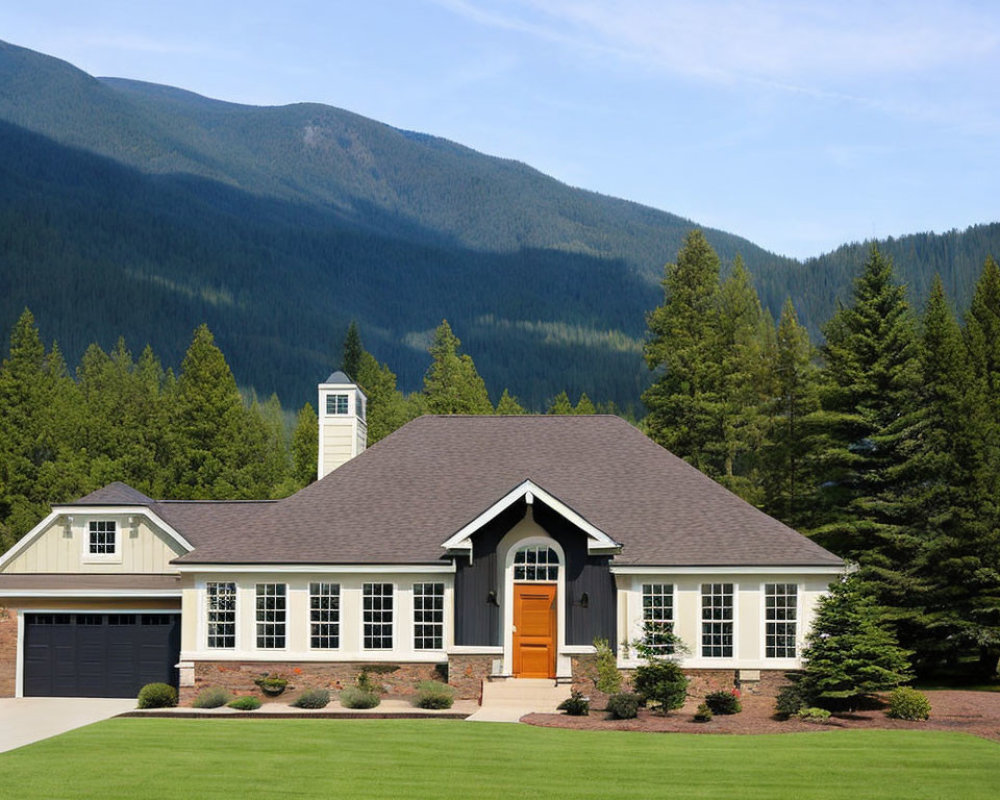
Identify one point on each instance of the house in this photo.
(476, 547)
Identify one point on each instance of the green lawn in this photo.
(156, 758)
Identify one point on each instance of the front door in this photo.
(534, 630)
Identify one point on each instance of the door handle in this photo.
(513, 628)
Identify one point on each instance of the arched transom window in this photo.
(536, 562)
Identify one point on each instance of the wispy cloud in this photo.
(844, 51)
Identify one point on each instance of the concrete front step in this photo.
(510, 699)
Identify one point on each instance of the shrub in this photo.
(246, 703)
(576, 705)
(819, 715)
(703, 714)
(662, 684)
(433, 694)
(724, 702)
(353, 697)
(157, 695)
(366, 683)
(271, 685)
(609, 679)
(313, 698)
(624, 705)
(212, 697)
(907, 703)
(790, 701)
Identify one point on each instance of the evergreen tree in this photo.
(305, 446)
(388, 409)
(350, 362)
(684, 401)
(789, 478)
(213, 433)
(452, 385)
(560, 405)
(871, 374)
(508, 405)
(584, 405)
(849, 655)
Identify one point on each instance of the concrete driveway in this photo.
(24, 720)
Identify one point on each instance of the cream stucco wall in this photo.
(63, 545)
(194, 630)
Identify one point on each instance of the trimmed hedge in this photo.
(624, 705)
(313, 698)
(353, 697)
(906, 702)
(212, 697)
(246, 703)
(723, 702)
(434, 694)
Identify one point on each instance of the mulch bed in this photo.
(977, 713)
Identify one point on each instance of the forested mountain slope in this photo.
(140, 210)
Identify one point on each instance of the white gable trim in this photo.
(727, 570)
(598, 540)
(86, 512)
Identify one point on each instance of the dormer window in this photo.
(103, 539)
(336, 404)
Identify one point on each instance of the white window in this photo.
(271, 615)
(536, 563)
(103, 539)
(336, 404)
(428, 616)
(717, 620)
(658, 616)
(221, 614)
(781, 601)
(377, 614)
(324, 616)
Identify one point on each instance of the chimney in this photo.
(343, 432)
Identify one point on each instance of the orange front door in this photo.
(534, 630)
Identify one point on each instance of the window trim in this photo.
(278, 625)
(364, 648)
(732, 621)
(234, 611)
(439, 625)
(114, 556)
(338, 593)
(664, 649)
(548, 564)
(764, 621)
(333, 399)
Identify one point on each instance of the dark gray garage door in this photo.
(98, 655)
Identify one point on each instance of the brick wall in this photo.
(238, 677)
(467, 673)
(8, 651)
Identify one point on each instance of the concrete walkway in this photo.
(510, 699)
(24, 720)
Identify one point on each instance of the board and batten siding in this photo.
(61, 547)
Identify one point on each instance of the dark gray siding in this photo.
(585, 574)
(477, 621)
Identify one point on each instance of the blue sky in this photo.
(799, 125)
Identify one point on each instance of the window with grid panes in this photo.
(428, 616)
(536, 563)
(221, 614)
(717, 620)
(103, 540)
(781, 601)
(324, 616)
(658, 616)
(336, 404)
(377, 612)
(271, 615)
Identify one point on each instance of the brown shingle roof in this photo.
(399, 500)
(115, 494)
(35, 581)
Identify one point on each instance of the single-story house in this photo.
(472, 547)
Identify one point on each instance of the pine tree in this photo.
(584, 405)
(560, 405)
(508, 405)
(350, 361)
(387, 408)
(684, 401)
(789, 478)
(849, 654)
(871, 373)
(452, 385)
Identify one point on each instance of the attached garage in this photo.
(98, 654)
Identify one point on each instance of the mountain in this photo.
(128, 208)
